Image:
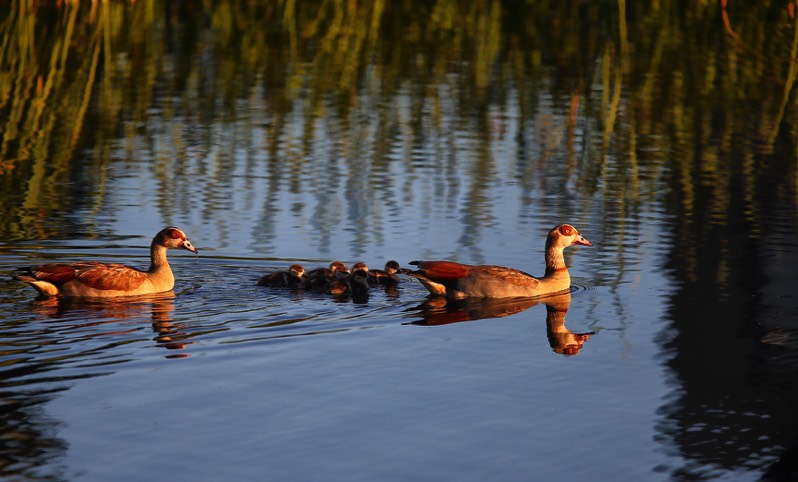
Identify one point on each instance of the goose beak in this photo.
(581, 240)
(186, 244)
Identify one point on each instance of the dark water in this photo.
(276, 133)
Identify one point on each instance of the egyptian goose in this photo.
(360, 266)
(359, 281)
(356, 284)
(335, 287)
(319, 279)
(386, 276)
(293, 277)
(455, 280)
(104, 280)
(327, 272)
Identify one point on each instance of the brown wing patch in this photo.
(109, 276)
(443, 270)
(57, 274)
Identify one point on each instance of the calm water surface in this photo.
(674, 356)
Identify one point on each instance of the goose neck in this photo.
(158, 257)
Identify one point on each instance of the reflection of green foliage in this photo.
(670, 77)
(45, 88)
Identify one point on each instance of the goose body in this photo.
(386, 276)
(355, 283)
(320, 279)
(359, 282)
(294, 277)
(335, 266)
(457, 280)
(106, 280)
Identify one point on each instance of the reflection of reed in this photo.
(386, 81)
(49, 83)
(789, 81)
(440, 311)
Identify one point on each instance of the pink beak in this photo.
(581, 240)
(186, 244)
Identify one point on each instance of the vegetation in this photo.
(602, 89)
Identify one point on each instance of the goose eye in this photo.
(566, 230)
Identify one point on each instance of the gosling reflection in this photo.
(442, 311)
(118, 317)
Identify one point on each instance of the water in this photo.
(672, 358)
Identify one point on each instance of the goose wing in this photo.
(442, 270)
(100, 276)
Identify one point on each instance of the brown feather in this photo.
(101, 276)
(57, 274)
(116, 277)
(443, 270)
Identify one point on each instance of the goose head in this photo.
(173, 237)
(563, 236)
(392, 267)
(296, 271)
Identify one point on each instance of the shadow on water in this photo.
(437, 311)
(732, 341)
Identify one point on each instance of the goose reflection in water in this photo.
(441, 311)
(76, 317)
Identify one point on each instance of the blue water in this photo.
(675, 359)
(241, 381)
(229, 378)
